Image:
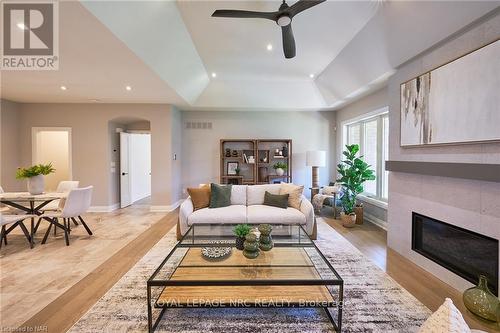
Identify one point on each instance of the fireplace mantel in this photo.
(484, 172)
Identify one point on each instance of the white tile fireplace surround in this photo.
(469, 204)
(472, 205)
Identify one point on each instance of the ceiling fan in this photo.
(283, 17)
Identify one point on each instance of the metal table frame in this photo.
(31, 210)
(338, 281)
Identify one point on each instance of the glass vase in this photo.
(481, 301)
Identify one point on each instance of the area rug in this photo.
(374, 302)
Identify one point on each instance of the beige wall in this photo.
(308, 130)
(93, 150)
(9, 146)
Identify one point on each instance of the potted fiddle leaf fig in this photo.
(353, 171)
(240, 231)
(34, 175)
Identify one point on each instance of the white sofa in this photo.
(247, 207)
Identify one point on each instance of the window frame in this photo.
(360, 121)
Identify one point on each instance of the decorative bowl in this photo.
(215, 252)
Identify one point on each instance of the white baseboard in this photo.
(375, 220)
(103, 209)
(167, 209)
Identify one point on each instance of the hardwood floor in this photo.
(65, 282)
(52, 285)
(372, 242)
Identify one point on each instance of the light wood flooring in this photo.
(372, 242)
(53, 284)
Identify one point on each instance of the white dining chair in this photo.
(63, 187)
(14, 221)
(76, 204)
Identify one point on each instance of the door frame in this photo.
(36, 130)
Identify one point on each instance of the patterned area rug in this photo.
(374, 302)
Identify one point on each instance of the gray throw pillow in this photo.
(276, 200)
(220, 195)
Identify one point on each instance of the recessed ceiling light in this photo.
(21, 26)
(63, 88)
(311, 76)
(128, 88)
(214, 74)
(94, 100)
(269, 47)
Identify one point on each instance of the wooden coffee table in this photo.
(292, 274)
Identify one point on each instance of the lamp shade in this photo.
(316, 158)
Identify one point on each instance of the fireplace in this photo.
(464, 252)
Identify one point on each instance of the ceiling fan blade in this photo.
(245, 14)
(302, 5)
(288, 41)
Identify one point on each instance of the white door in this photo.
(125, 188)
(140, 165)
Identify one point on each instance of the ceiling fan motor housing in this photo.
(284, 20)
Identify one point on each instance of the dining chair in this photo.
(76, 204)
(63, 187)
(15, 220)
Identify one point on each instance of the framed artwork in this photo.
(455, 103)
(231, 168)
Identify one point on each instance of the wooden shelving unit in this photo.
(265, 155)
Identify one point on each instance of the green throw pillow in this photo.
(276, 200)
(220, 195)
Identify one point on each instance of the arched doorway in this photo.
(131, 160)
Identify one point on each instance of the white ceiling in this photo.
(94, 64)
(167, 51)
(236, 48)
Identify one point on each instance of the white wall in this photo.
(308, 131)
(470, 204)
(140, 166)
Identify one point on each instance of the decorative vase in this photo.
(348, 220)
(228, 152)
(481, 301)
(239, 243)
(251, 246)
(280, 172)
(36, 184)
(285, 151)
(263, 174)
(265, 239)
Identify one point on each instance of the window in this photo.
(372, 135)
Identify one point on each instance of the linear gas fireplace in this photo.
(462, 251)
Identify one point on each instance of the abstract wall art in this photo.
(458, 102)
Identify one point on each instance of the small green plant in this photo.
(280, 165)
(353, 172)
(237, 170)
(241, 230)
(35, 170)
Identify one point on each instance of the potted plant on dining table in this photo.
(35, 176)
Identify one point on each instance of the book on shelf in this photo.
(245, 159)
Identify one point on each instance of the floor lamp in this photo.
(315, 159)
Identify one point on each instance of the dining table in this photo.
(30, 204)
